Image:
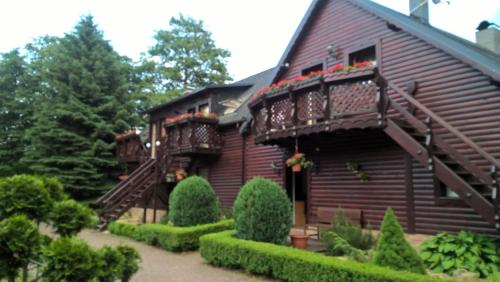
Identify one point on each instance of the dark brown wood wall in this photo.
(457, 92)
(258, 159)
(336, 186)
(225, 174)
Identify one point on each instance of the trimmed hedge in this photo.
(170, 238)
(288, 264)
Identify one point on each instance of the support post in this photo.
(410, 202)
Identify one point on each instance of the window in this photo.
(191, 110)
(316, 67)
(363, 55)
(446, 192)
(204, 108)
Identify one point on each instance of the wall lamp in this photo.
(276, 169)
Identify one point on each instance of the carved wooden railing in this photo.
(194, 135)
(488, 209)
(337, 100)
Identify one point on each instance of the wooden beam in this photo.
(410, 202)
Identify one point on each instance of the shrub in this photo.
(289, 264)
(338, 246)
(109, 264)
(393, 250)
(171, 238)
(447, 253)
(351, 232)
(55, 188)
(130, 264)
(19, 242)
(262, 212)
(69, 217)
(24, 194)
(193, 202)
(69, 259)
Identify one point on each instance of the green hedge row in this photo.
(169, 237)
(289, 264)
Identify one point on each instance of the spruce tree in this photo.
(16, 108)
(86, 101)
(393, 250)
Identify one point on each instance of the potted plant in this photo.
(180, 174)
(297, 162)
(299, 239)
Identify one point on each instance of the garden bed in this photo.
(285, 263)
(169, 237)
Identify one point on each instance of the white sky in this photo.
(255, 31)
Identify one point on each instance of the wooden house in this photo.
(388, 110)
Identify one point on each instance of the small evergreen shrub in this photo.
(262, 212)
(69, 217)
(55, 188)
(171, 238)
(352, 233)
(393, 250)
(193, 202)
(288, 264)
(466, 250)
(130, 264)
(109, 265)
(19, 242)
(338, 246)
(69, 259)
(24, 194)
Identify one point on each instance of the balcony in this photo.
(325, 103)
(193, 135)
(129, 148)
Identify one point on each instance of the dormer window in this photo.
(313, 68)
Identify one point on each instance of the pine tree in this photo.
(393, 250)
(16, 108)
(86, 101)
(188, 57)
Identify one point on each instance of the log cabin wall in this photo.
(258, 159)
(459, 93)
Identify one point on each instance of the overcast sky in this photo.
(255, 31)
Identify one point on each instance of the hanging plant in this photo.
(180, 174)
(356, 168)
(297, 162)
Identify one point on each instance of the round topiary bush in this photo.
(193, 202)
(262, 212)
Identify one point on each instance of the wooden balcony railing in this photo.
(327, 103)
(194, 135)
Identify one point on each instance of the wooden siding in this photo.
(334, 185)
(457, 92)
(431, 217)
(225, 174)
(258, 159)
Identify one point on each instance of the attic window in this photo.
(204, 108)
(363, 55)
(316, 67)
(191, 110)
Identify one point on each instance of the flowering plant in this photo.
(298, 159)
(313, 75)
(189, 115)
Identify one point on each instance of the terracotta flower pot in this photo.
(296, 168)
(299, 240)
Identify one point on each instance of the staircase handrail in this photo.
(444, 124)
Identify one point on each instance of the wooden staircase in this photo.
(476, 186)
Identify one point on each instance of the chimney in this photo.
(419, 9)
(489, 38)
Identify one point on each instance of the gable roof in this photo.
(464, 50)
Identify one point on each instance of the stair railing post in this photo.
(429, 143)
(494, 194)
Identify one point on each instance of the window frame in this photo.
(364, 45)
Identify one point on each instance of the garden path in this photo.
(160, 265)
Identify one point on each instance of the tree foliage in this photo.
(188, 57)
(262, 212)
(86, 102)
(19, 243)
(24, 194)
(193, 202)
(69, 217)
(393, 250)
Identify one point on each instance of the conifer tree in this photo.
(16, 108)
(86, 101)
(393, 250)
